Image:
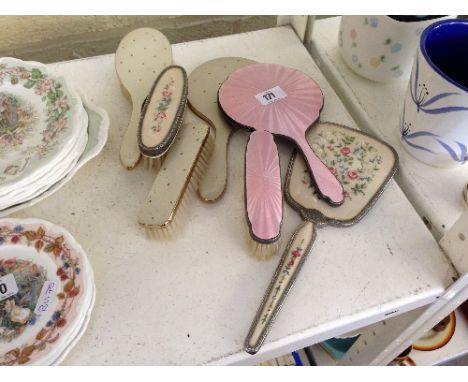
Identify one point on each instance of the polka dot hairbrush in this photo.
(204, 82)
(162, 213)
(142, 54)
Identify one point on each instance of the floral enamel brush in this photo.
(204, 82)
(142, 54)
(162, 115)
(364, 165)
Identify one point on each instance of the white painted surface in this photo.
(297, 22)
(435, 193)
(455, 244)
(192, 301)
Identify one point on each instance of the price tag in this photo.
(8, 286)
(271, 95)
(46, 298)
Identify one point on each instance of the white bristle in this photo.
(261, 251)
(153, 163)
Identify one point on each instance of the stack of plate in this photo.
(43, 131)
(47, 292)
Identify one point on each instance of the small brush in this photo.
(162, 115)
(177, 181)
(263, 196)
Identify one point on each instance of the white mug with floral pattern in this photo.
(434, 120)
(380, 48)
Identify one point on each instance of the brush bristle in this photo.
(205, 156)
(153, 163)
(163, 233)
(169, 231)
(262, 251)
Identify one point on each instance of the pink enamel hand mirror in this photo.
(284, 102)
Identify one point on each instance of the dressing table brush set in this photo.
(47, 132)
(334, 177)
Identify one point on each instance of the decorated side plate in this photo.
(438, 336)
(22, 194)
(97, 136)
(79, 333)
(46, 291)
(40, 116)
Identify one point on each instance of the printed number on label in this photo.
(271, 95)
(8, 286)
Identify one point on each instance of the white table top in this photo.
(435, 193)
(192, 301)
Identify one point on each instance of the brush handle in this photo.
(263, 194)
(328, 186)
(129, 150)
(288, 268)
(214, 181)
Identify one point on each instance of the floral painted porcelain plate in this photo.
(45, 174)
(40, 116)
(79, 332)
(97, 136)
(54, 292)
(23, 194)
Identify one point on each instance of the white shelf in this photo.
(192, 301)
(435, 193)
(455, 348)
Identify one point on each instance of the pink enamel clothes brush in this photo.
(284, 102)
(264, 200)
